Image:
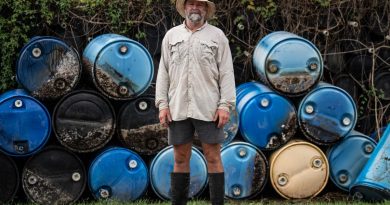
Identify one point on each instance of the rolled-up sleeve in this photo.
(226, 76)
(162, 82)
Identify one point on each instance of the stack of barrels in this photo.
(87, 122)
(294, 130)
(303, 126)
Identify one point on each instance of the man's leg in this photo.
(212, 152)
(180, 177)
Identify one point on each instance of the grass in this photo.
(328, 198)
(245, 202)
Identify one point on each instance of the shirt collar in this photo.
(200, 28)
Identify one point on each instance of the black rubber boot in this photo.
(180, 183)
(217, 188)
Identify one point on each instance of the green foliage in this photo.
(323, 3)
(267, 10)
(367, 97)
(14, 28)
(20, 20)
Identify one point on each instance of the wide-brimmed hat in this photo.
(210, 8)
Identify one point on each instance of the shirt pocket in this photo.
(208, 54)
(177, 51)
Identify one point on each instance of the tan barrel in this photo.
(299, 170)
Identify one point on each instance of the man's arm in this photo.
(162, 82)
(226, 76)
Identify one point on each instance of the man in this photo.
(195, 91)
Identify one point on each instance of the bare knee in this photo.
(212, 154)
(182, 155)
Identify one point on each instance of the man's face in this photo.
(195, 10)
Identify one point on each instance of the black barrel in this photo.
(84, 121)
(139, 128)
(335, 59)
(54, 176)
(383, 58)
(382, 83)
(9, 179)
(347, 83)
(367, 123)
(359, 66)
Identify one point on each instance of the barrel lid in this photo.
(268, 121)
(245, 170)
(24, 123)
(299, 170)
(326, 121)
(123, 69)
(54, 176)
(162, 166)
(84, 121)
(48, 68)
(294, 74)
(118, 173)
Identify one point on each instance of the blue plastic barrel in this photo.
(120, 68)
(25, 124)
(348, 157)
(162, 167)
(373, 182)
(267, 119)
(288, 63)
(118, 173)
(48, 67)
(246, 170)
(327, 114)
(248, 90)
(231, 127)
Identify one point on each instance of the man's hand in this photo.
(222, 116)
(165, 117)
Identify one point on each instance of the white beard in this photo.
(194, 17)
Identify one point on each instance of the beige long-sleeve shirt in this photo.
(195, 75)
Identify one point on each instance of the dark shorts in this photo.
(182, 132)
